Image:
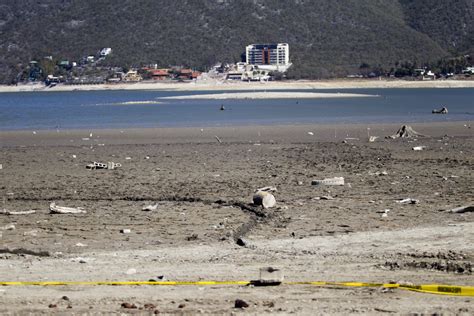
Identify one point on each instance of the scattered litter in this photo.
(218, 139)
(34, 132)
(86, 138)
(265, 199)
(125, 231)
(310, 133)
(386, 211)
(131, 271)
(268, 189)
(329, 181)
(9, 227)
(351, 138)
(324, 197)
(80, 245)
(7, 212)
(443, 110)
(419, 148)
(373, 139)
(54, 209)
(405, 131)
(150, 208)
(31, 233)
(269, 277)
(79, 259)
(128, 158)
(74, 156)
(378, 173)
(99, 165)
(408, 201)
(1, 166)
(462, 209)
(147, 157)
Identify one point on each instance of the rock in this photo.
(265, 199)
(65, 298)
(242, 242)
(240, 304)
(182, 305)
(52, 305)
(149, 306)
(129, 306)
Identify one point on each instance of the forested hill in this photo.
(326, 37)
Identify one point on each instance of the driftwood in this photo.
(406, 131)
(54, 209)
(462, 209)
(7, 212)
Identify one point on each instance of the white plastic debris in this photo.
(54, 209)
(310, 133)
(373, 139)
(408, 201)
(329, 181)
(419, 148)
(150, 208)
(125, 231)
(265, 199)
(131, 271)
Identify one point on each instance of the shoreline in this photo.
(268, 95)
(280, 133)
(207, 85)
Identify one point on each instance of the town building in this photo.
(272, 57)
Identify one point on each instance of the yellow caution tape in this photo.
(426, 288)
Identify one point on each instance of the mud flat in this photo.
(204, 190)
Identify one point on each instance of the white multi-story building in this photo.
(273, 57)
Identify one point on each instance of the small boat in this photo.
(441, 111)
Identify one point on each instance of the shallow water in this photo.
(122, 109)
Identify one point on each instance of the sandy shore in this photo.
(209, 85)
(269, 95)
(203, 189)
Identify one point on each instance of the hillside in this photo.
(327, 38)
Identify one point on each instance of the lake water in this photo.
(108, 109)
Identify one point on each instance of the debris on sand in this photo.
(329, 181)
(129, 306)
(462, 209)
(7, 212)
(373, 139)
(378, 173)
(125, 231)
(150, 208)
(240, 304)
(267, 189)
(324, 197)
(264, 198)
(443, 110)
(269, 276)
(218, 139)
(419, 148)
(99, 165)
(406, 131)
(54, 209)
(408, 201)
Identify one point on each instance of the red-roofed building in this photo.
(160, 74)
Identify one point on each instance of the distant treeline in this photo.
(327, 38)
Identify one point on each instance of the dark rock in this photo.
(149, 306)
(52, 305)
(240, 304)
(129, 306)
(65, 298)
